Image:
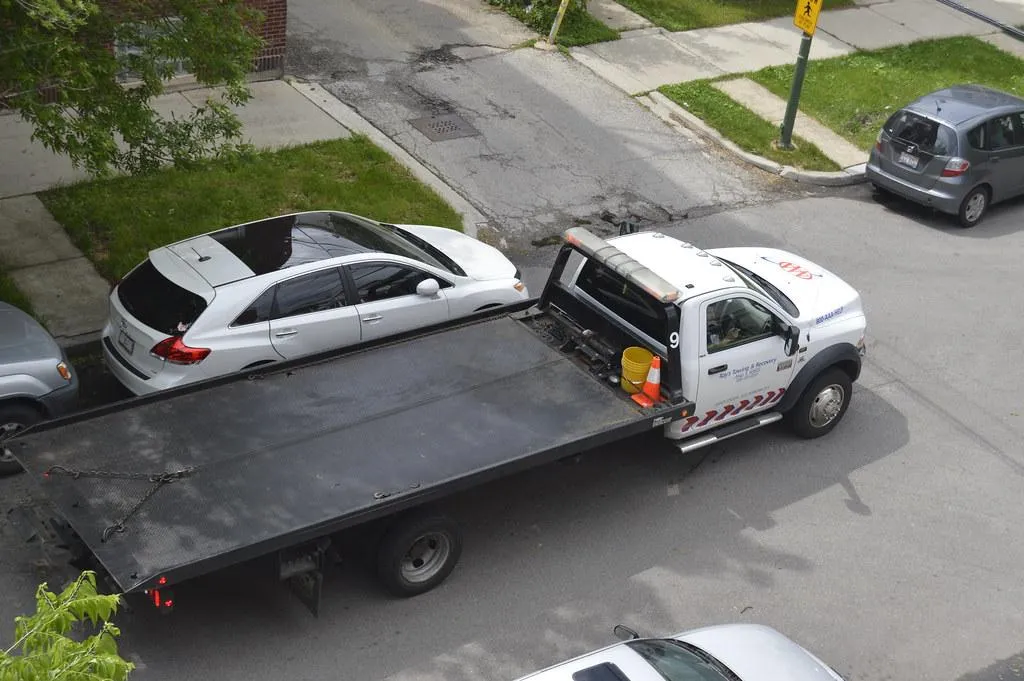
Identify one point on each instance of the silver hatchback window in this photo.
(930, 136)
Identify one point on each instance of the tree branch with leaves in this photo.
(84, 73)
(44, 648)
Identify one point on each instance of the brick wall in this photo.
(270, 61)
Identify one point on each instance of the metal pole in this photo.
(794, 94)
(558, 21)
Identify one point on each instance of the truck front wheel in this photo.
(822, 405)
(417, 554)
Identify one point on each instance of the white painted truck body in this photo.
(769, 293)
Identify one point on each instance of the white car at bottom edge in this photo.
(728, 652)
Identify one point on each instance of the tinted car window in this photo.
(259, 311)
(309, 293)
(158, 302)
(1004, 132)
(929, 136)
(623, 298)
(380, 281)
(978, 137)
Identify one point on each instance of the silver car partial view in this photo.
(292, 286)
(728, 652)
(37, 382)
(958, 150)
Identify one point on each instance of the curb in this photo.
(472, 218)
(672, 113)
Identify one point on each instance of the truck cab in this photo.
(749, 335)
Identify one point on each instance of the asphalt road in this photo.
(888, 547)
(541, 140)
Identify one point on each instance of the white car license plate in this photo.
(126, 342)
(907, 159)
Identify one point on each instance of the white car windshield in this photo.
(677, 661)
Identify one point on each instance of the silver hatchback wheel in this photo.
(975, 207)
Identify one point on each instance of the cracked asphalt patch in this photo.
(557, 144)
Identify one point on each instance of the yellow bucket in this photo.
(636, 362)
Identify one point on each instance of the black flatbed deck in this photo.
(303, 452)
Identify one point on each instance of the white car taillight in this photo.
(955, 167)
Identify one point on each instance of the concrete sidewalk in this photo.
(648, 57)
(66, 292)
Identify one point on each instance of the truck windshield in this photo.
(623, 299)
(760, 283)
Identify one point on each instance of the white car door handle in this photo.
(373, 318)
(285, 334)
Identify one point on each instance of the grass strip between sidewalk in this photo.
(746, 129)
(116, 222)
(9, 293)
(855, 94)
(577, 28)
(684, 15)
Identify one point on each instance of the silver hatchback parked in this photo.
(37, 382)
(957, 150)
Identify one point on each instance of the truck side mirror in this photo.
(792, 336)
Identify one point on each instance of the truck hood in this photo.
(758, 653)
(820, 295)
(477, 259)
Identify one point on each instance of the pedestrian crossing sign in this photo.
(806, 16)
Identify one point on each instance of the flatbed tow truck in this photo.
(278, 461)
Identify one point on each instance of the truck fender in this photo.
(843, 354)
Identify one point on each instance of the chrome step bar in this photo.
(731, 430)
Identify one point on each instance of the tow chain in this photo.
(158, 480)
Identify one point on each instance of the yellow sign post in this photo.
(806, 16)
(806, 19)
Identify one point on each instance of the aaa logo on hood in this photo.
(796, 269)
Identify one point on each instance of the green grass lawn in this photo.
(683, 15)
(116, 222)
(578, 28)
(9, 293)
(746, 129)
(855, 94)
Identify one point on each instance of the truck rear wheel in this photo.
(418, 553)
(822, 405)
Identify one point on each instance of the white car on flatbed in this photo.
(291, 286)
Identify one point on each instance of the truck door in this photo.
(743, 367)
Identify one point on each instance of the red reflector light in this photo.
(955, 167)
(156, 597)
(175, 351)
(169, 603)
(161, 581)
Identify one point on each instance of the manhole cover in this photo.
(446, 127)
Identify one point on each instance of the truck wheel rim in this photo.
(975, 205)
(9, 429)
(425, 558)
(826, 405)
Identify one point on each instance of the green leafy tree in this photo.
(84, 74)
(44, 649)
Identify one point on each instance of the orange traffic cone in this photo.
(651, 392)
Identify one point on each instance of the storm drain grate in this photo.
(446, 127)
